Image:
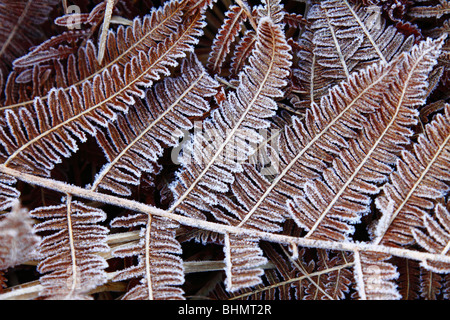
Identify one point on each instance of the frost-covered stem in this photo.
(217, 227)
(227, 250)
(105, 28)
(359, 276)
(148, 272)
(28, 291)
(65, 7)
(73, 257)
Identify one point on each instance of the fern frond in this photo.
(8, 193)
(38, 138)
(136, 140)
(335, 275)
(69, 255)
(343, 39)
(59, 47)
(289, 278)
(243, 259)
(310, 181)
(409, 279)
(213, 157)
(294, 20)
(421, 176)
(242, 51)
(160, 267)
(437, 237)
(121, 47)
(431, 285)
(344, 194)
(272, 9)
(225, 37)
(260, 83)
(306, 147)
(375, 276)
